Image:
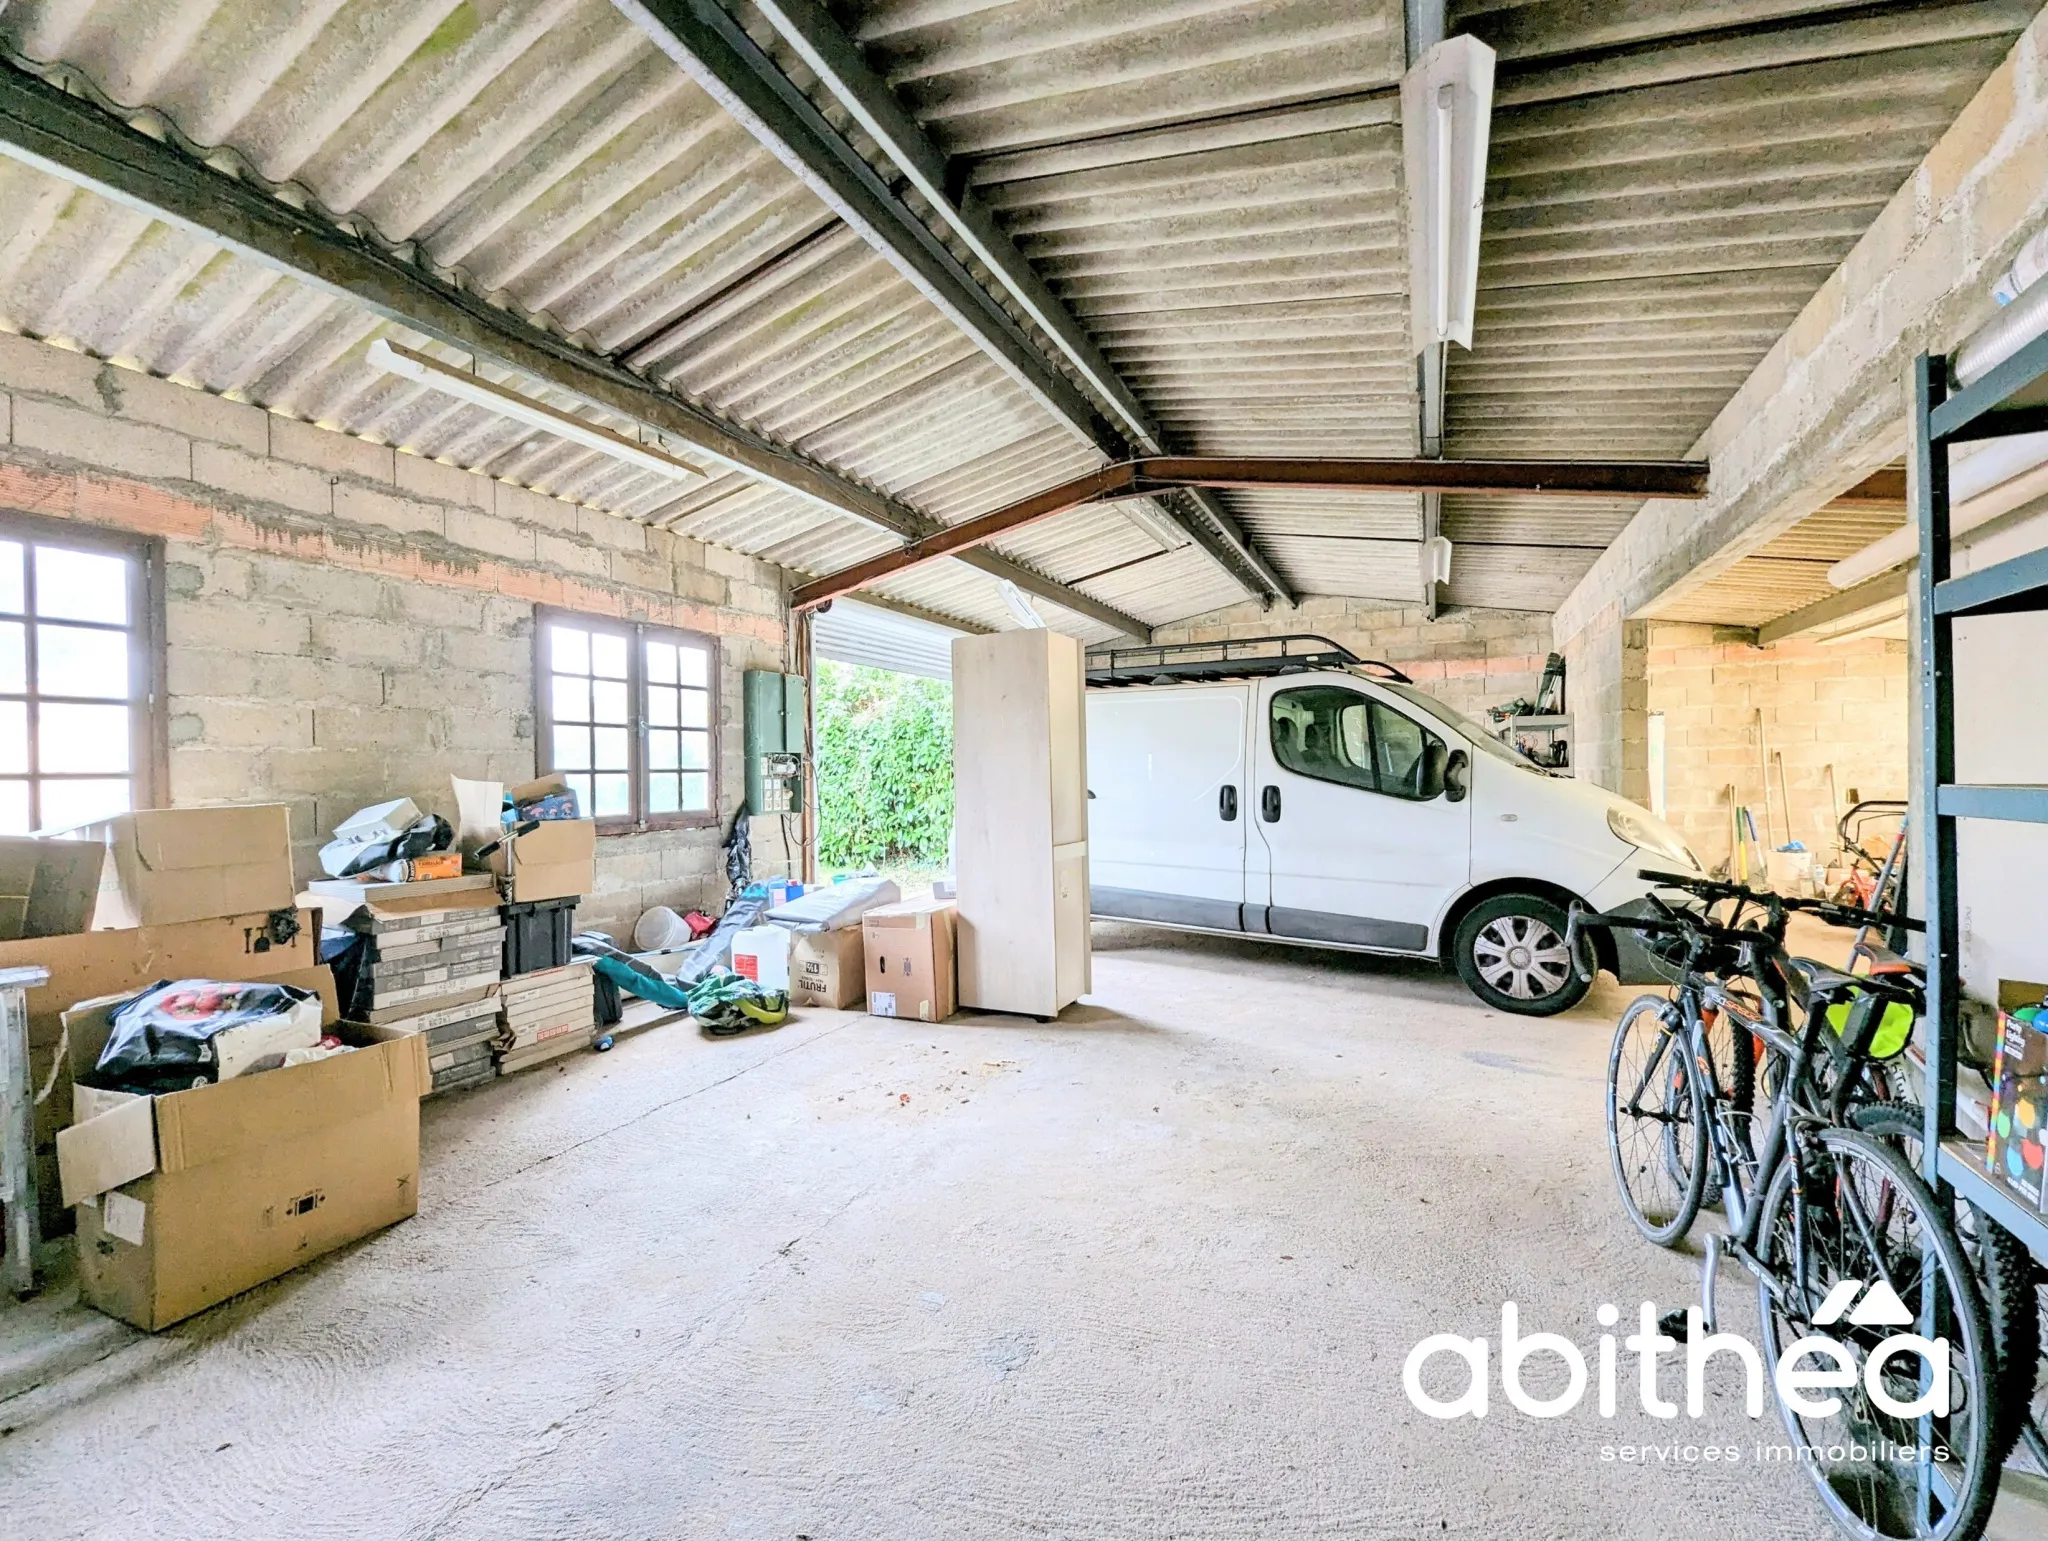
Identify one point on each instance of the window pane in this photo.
(572, 749)
(569, 649)
(661, 707)
(696, 751)
(81, 738)
(611, 749)
(14, 737)
(661, 751)
(81, 586)
(696, 705)
(13, 657)
(72, 661)
(661, 663)
(67, 804)
(13, 808)
(608, 699)
(693, 665)
(1398, 746)
(580, 785)
(571, 698)
(696, 792)
(1309, 735)
(11, 590)
(614, 798)
(661, 794)
(607, 655)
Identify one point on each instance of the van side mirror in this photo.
(1457, 775)
(1430, 774)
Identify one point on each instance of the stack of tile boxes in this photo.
(433, 969)
(545, 1014)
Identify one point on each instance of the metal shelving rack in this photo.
(2011, 398)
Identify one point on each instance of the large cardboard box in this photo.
(557, 860)
(910, 967)
(48, 887)
(828, 969)
(189, 1198)
(94, 963)
(178, 864)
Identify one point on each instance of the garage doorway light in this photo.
(1446, 118)
(391, 359)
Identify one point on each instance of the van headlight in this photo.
(1650, 833)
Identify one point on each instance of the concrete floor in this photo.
(1148, 1272)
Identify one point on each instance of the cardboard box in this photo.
(178, 864)
(909, 953)
(189, 1198)
(558, 860)
(87, 964)
(829, 969)
(48, 887)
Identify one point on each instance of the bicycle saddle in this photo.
(1819, 979)
(1884, 961)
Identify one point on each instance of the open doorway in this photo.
(883, 724)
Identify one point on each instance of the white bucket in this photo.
(659, 929)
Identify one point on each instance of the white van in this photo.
(1288, 790)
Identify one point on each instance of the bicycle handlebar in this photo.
(1825, 909)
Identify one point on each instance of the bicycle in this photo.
(1817, 1204)
(1863, 1091)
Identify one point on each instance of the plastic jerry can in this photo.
(761, 953)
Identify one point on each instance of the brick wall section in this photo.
(347, 622)
(1841, 704)
(1470, 659)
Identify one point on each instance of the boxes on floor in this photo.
(188, 1198)
(910, 959)
(88, 964)
(828, 969)
(177, 864)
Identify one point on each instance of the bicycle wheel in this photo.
(2005, 1277)
(1846, 1206)
(1656, 1121)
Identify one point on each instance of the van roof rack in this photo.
(1175, 663)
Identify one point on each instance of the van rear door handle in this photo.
(1269, 805)
(1226, 804)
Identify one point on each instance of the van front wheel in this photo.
(1510, 952)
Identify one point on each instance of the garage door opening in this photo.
(884, 741)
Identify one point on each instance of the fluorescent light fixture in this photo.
(392, 359)
(1145, 514)
(1446, 117)
(1986, 480)
(1020, 606)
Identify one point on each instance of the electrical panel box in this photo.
(777, 709)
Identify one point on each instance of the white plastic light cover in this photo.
(1446, 115)
(1436, 560)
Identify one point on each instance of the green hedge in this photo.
(885, 766)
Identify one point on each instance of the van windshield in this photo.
(1476, 735)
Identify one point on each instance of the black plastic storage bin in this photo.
(537, 935)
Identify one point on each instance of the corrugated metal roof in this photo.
(543, 150)
(1789, 573)
(1212, 186)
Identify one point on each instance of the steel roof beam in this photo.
(707, 43)
(1140, 478)
(70, 138)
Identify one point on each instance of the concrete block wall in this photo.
(1469, 659)
(346, 622)
(1839, 706)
